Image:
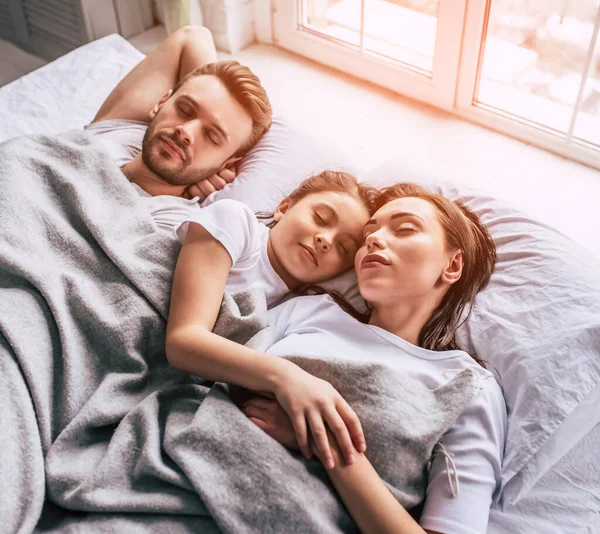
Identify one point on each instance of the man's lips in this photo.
(373, 260)
(310, 254)
(173, 148)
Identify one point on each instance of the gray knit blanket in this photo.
(98, 433)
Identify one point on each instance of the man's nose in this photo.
(184, 133)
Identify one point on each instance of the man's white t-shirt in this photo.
(315, 326)
(122, 138)
(236, 227)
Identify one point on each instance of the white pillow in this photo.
(282, 158)
(537, 324)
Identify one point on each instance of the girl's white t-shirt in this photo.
(315, 326)
(235, 226)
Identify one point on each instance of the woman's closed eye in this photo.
(406, 227)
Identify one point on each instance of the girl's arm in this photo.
(198, 287)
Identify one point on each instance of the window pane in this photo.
(587, 126)
(534, 56)
(402, 30)
(338, 19)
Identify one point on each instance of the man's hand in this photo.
(271, 418)
(215, 183)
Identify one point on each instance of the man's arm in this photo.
(136, 94)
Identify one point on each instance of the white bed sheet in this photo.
(66, 93)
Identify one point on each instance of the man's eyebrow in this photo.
(214, 123)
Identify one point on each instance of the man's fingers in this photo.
(217, 182)
(227, 174)
(353, 425)
(340, 431)
(319, 435)
(265, 427)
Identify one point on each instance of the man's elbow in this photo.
(198, 35)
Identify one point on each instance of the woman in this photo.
(423, 260)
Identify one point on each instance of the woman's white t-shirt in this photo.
(236, 227)
(315, 326)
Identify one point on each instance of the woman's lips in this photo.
(371, 261)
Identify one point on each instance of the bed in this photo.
(538, 324)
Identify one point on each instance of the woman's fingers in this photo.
(299, 423)
(352, 423)
(319, 435)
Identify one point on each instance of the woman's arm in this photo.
(368, 500)
(366, 497)
(198, 286)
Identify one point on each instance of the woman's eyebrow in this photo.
(400, 214)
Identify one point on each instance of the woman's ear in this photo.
(284, 205)
(453, 270)
(160, 103)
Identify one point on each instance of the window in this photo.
(528, 68)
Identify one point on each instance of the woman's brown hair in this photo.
(463, 230)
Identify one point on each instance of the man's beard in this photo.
(166, 173)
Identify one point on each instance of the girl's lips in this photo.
(309, 254)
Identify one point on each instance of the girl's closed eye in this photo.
(319, 219)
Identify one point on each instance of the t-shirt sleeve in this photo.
(477, 442)
(231, 223)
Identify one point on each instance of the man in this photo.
(179, 121)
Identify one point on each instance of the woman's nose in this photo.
(374, 240)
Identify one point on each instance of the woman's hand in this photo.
(271, 418)
(315, 405)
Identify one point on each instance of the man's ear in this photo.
(160, 103)
(453, 270)
(284, 205)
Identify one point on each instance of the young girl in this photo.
(317, 232)
(422, 262)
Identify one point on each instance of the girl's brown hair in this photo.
(463, 230)
(335, 181)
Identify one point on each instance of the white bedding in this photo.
(557, 490)
(68, 92)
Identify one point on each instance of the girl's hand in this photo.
(271, 418)
(314, 404)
